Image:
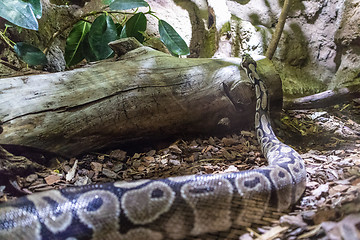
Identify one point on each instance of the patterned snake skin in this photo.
(187, 207)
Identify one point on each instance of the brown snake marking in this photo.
(183, 207)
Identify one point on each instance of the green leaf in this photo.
(127, 4)
(19, 13)
(102, 31)
(36, 7)
(30, 54)
(135, 26)
(74, 42)
(119, 29)
(172, 39)
(107, 2)
(123, 32)
(87, 51)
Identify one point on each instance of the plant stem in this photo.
(56, 34)
(278, 30)
(7, 40)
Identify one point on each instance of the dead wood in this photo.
(16, 165)
(145, 94)
(323, 99)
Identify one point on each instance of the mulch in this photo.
(327, 139)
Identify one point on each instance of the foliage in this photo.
(74, 43)
(30, 54)
(21, 13)
(89, 40)
(172, 39)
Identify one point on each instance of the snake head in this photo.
(246, 60)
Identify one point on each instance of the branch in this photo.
(278, 31)
(323, 99)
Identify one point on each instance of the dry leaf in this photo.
(323, 188)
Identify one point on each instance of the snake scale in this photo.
(185, 207)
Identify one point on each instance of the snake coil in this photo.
(195, 206)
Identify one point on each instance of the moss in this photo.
(242, 2)
(237, 38)
(266, 33)
(210, 43)
(255, 19)
(296, 51)
(225, 28)
(297, 82)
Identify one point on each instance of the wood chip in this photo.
(175, 149)
(109, 173)
(32, 178)
(71, 174)
(51, 179)
(118, 155)
(273, 233)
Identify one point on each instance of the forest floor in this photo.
(327, 139)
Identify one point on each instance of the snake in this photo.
(214, 206)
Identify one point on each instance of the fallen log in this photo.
(323, 99)
(144, 94)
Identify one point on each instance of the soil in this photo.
(327, 139)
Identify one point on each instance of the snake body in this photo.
(185, 207)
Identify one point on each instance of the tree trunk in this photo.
(143, 94)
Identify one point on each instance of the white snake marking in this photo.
(146, 204)
(185, 207)
(20, 224)
(55, 218)
(211, 202)
(99, 210)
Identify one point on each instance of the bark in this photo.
(145, 94)
(278, 30)
(11, 165)
(323, 99)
